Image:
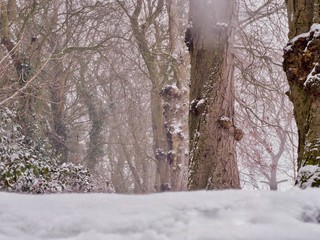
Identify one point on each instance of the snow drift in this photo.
(220, 215)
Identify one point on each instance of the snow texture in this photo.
(302, 35)
(214, 215)
(308, 175)
(200, 103)
(313, 77)
(224, 118)
(315, 29)
(175, 128)
(222, 25)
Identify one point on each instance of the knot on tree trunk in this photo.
(165, 187)
(227, 123)
(160, 155)
(198, 106)
(188, 38)
(301, 60)
(170, 91)
(238, 134)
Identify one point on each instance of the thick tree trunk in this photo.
(301, 64)
(213, 162)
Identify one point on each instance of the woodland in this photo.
(144, 96)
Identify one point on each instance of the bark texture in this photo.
(175, 96)
(212, 133)
(175, 113)
(302, 67)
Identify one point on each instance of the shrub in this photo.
(30, 166)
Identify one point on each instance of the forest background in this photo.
(94, 96)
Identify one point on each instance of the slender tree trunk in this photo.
(95, 150)
(57, 85)
(213, 162)
(160, 147)
(143, 164)
(96, 136)
(175, 97)
(302, 67)
(57, 89)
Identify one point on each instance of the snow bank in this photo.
(222, 215)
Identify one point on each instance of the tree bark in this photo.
(160, 147)
(301, 64)
(213, 162)
(175, 96)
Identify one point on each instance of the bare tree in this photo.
(163, 56)
(267, 153)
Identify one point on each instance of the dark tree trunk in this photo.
(213, 162)
(301, 64)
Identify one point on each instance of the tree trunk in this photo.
(96, 116)
(213, 162)
(160, 147)
(168, 145)
(57, 89)
(301, 64)
(175, 98)
(57, 85)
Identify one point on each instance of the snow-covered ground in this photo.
(220, 215)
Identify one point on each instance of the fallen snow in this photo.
(220, 215)
(224, 118)
(312, 78)
(222, 25)
(308, 175)
(316, 29)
